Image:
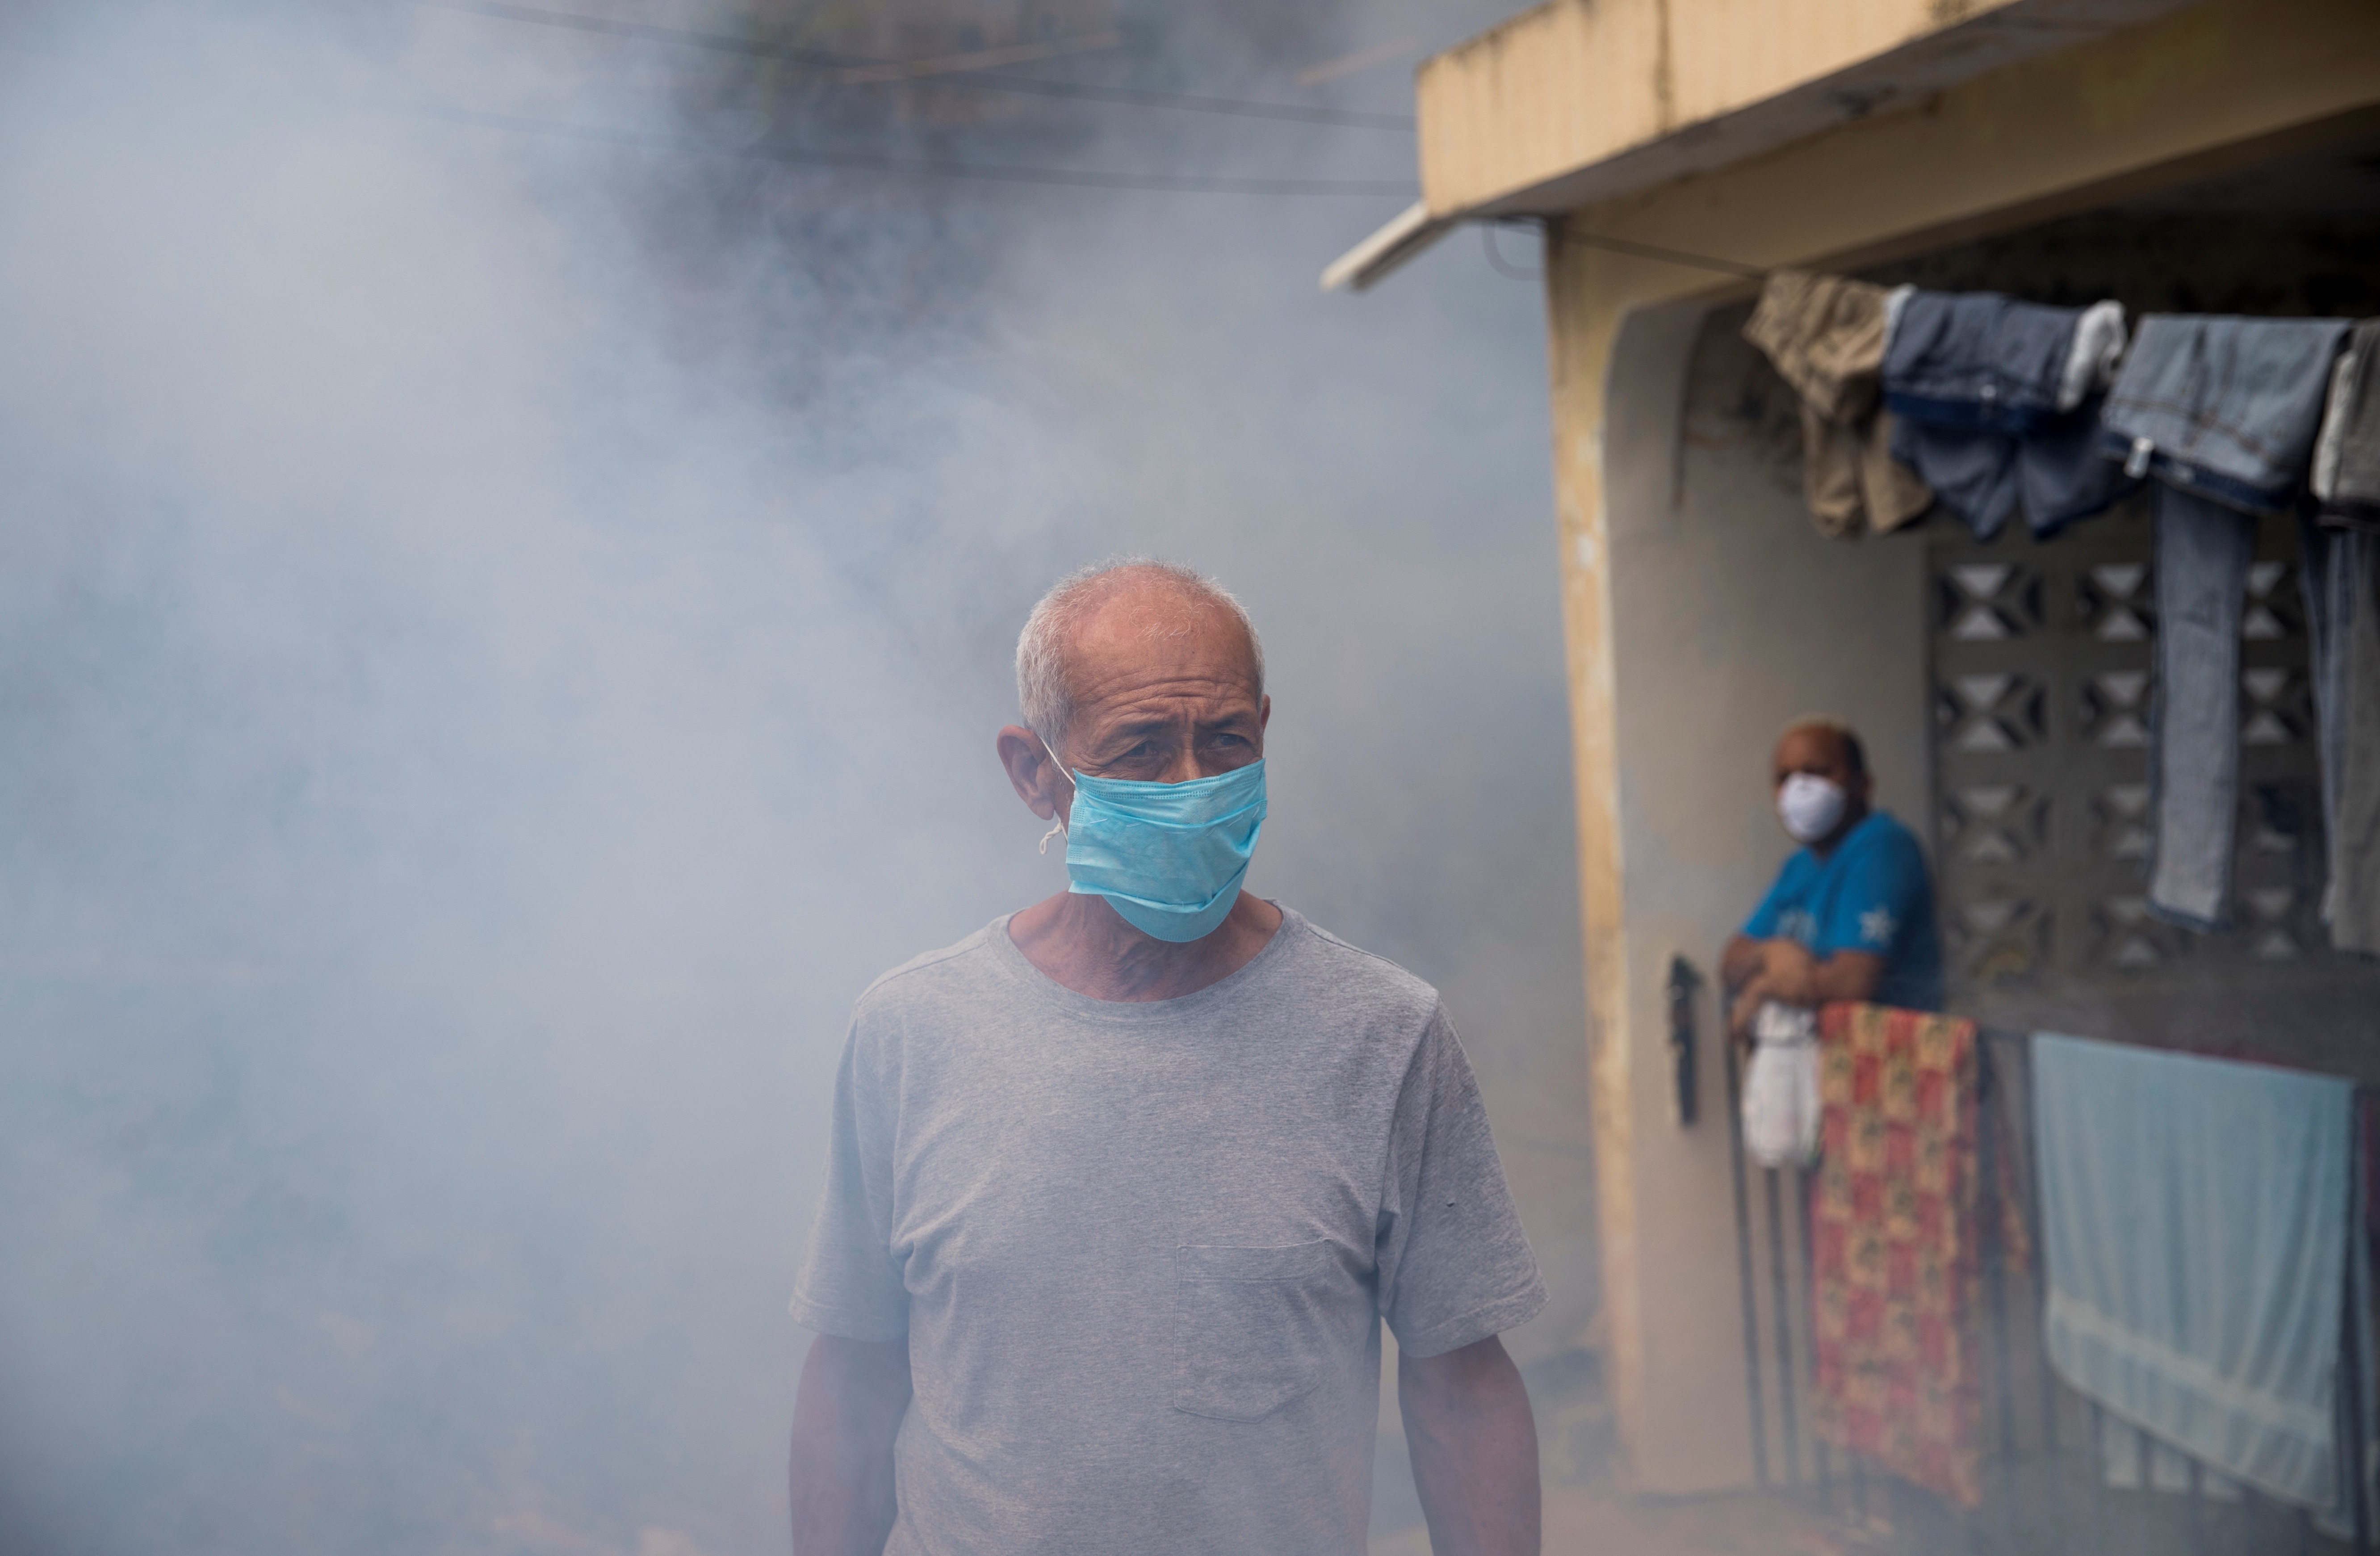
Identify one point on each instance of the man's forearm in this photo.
(1474, 1442)
(846, 1414)
(1794, 978)
(1846, 974)
(1742, 959)
(1758, 970)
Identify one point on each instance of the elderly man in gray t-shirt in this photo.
(1121, 1186)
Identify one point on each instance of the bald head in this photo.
(1827, 747)
(1138, 620)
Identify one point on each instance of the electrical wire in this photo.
(982, 59)
(996, 173)
(650, 32)
(1558, 234)
(812, 156)
(1496, 257)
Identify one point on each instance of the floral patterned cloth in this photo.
(1894, 1232)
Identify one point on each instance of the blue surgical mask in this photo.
(1169, 857)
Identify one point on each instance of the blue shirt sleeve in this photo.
(1762, 924)
(1883, 891)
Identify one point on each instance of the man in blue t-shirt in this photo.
(1852, 915)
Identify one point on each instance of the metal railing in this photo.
(2046, 1459)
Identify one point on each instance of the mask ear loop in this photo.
(1057, 827)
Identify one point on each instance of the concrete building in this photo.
(2218, 156)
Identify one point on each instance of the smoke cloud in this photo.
(500, 639)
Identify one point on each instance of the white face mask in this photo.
(1810, 806)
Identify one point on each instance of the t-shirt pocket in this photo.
(1251, 1328)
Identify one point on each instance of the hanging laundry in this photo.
(2354, 896)
(1893, 1246)
(2098, 350)
(2202, 551)
(2326, 580)
(1981, 359)
(2198, 1294)
(1824, 336)
(1997, 402)
(2346, 478)
(2223, 412)
(2340, 576)
(2223, 407)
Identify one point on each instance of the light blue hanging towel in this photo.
(2196, 1238)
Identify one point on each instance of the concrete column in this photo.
(1703, 613)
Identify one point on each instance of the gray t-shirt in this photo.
(1139, 1249)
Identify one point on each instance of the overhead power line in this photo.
(818, 156)
(1286, 113)
(982, 59)
(1558, 234)
(856, 71)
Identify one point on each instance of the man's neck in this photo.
(1085, 944)
(1825, 846)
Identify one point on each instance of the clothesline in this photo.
(1980, 404)
(1556, 235)
(1902, 368)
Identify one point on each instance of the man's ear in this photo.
(1033, 772)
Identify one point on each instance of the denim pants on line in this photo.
(2325, 577)
(2340, 578)
(1976, 382)
(2203, 550)
(2223, 405)
(2055, 470)
(2355, 848)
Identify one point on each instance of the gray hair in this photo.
(1041, 685)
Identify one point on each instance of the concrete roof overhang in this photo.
(1579, 101)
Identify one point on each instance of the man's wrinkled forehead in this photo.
(1147, 630)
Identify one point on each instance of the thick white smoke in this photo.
(500, 638)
